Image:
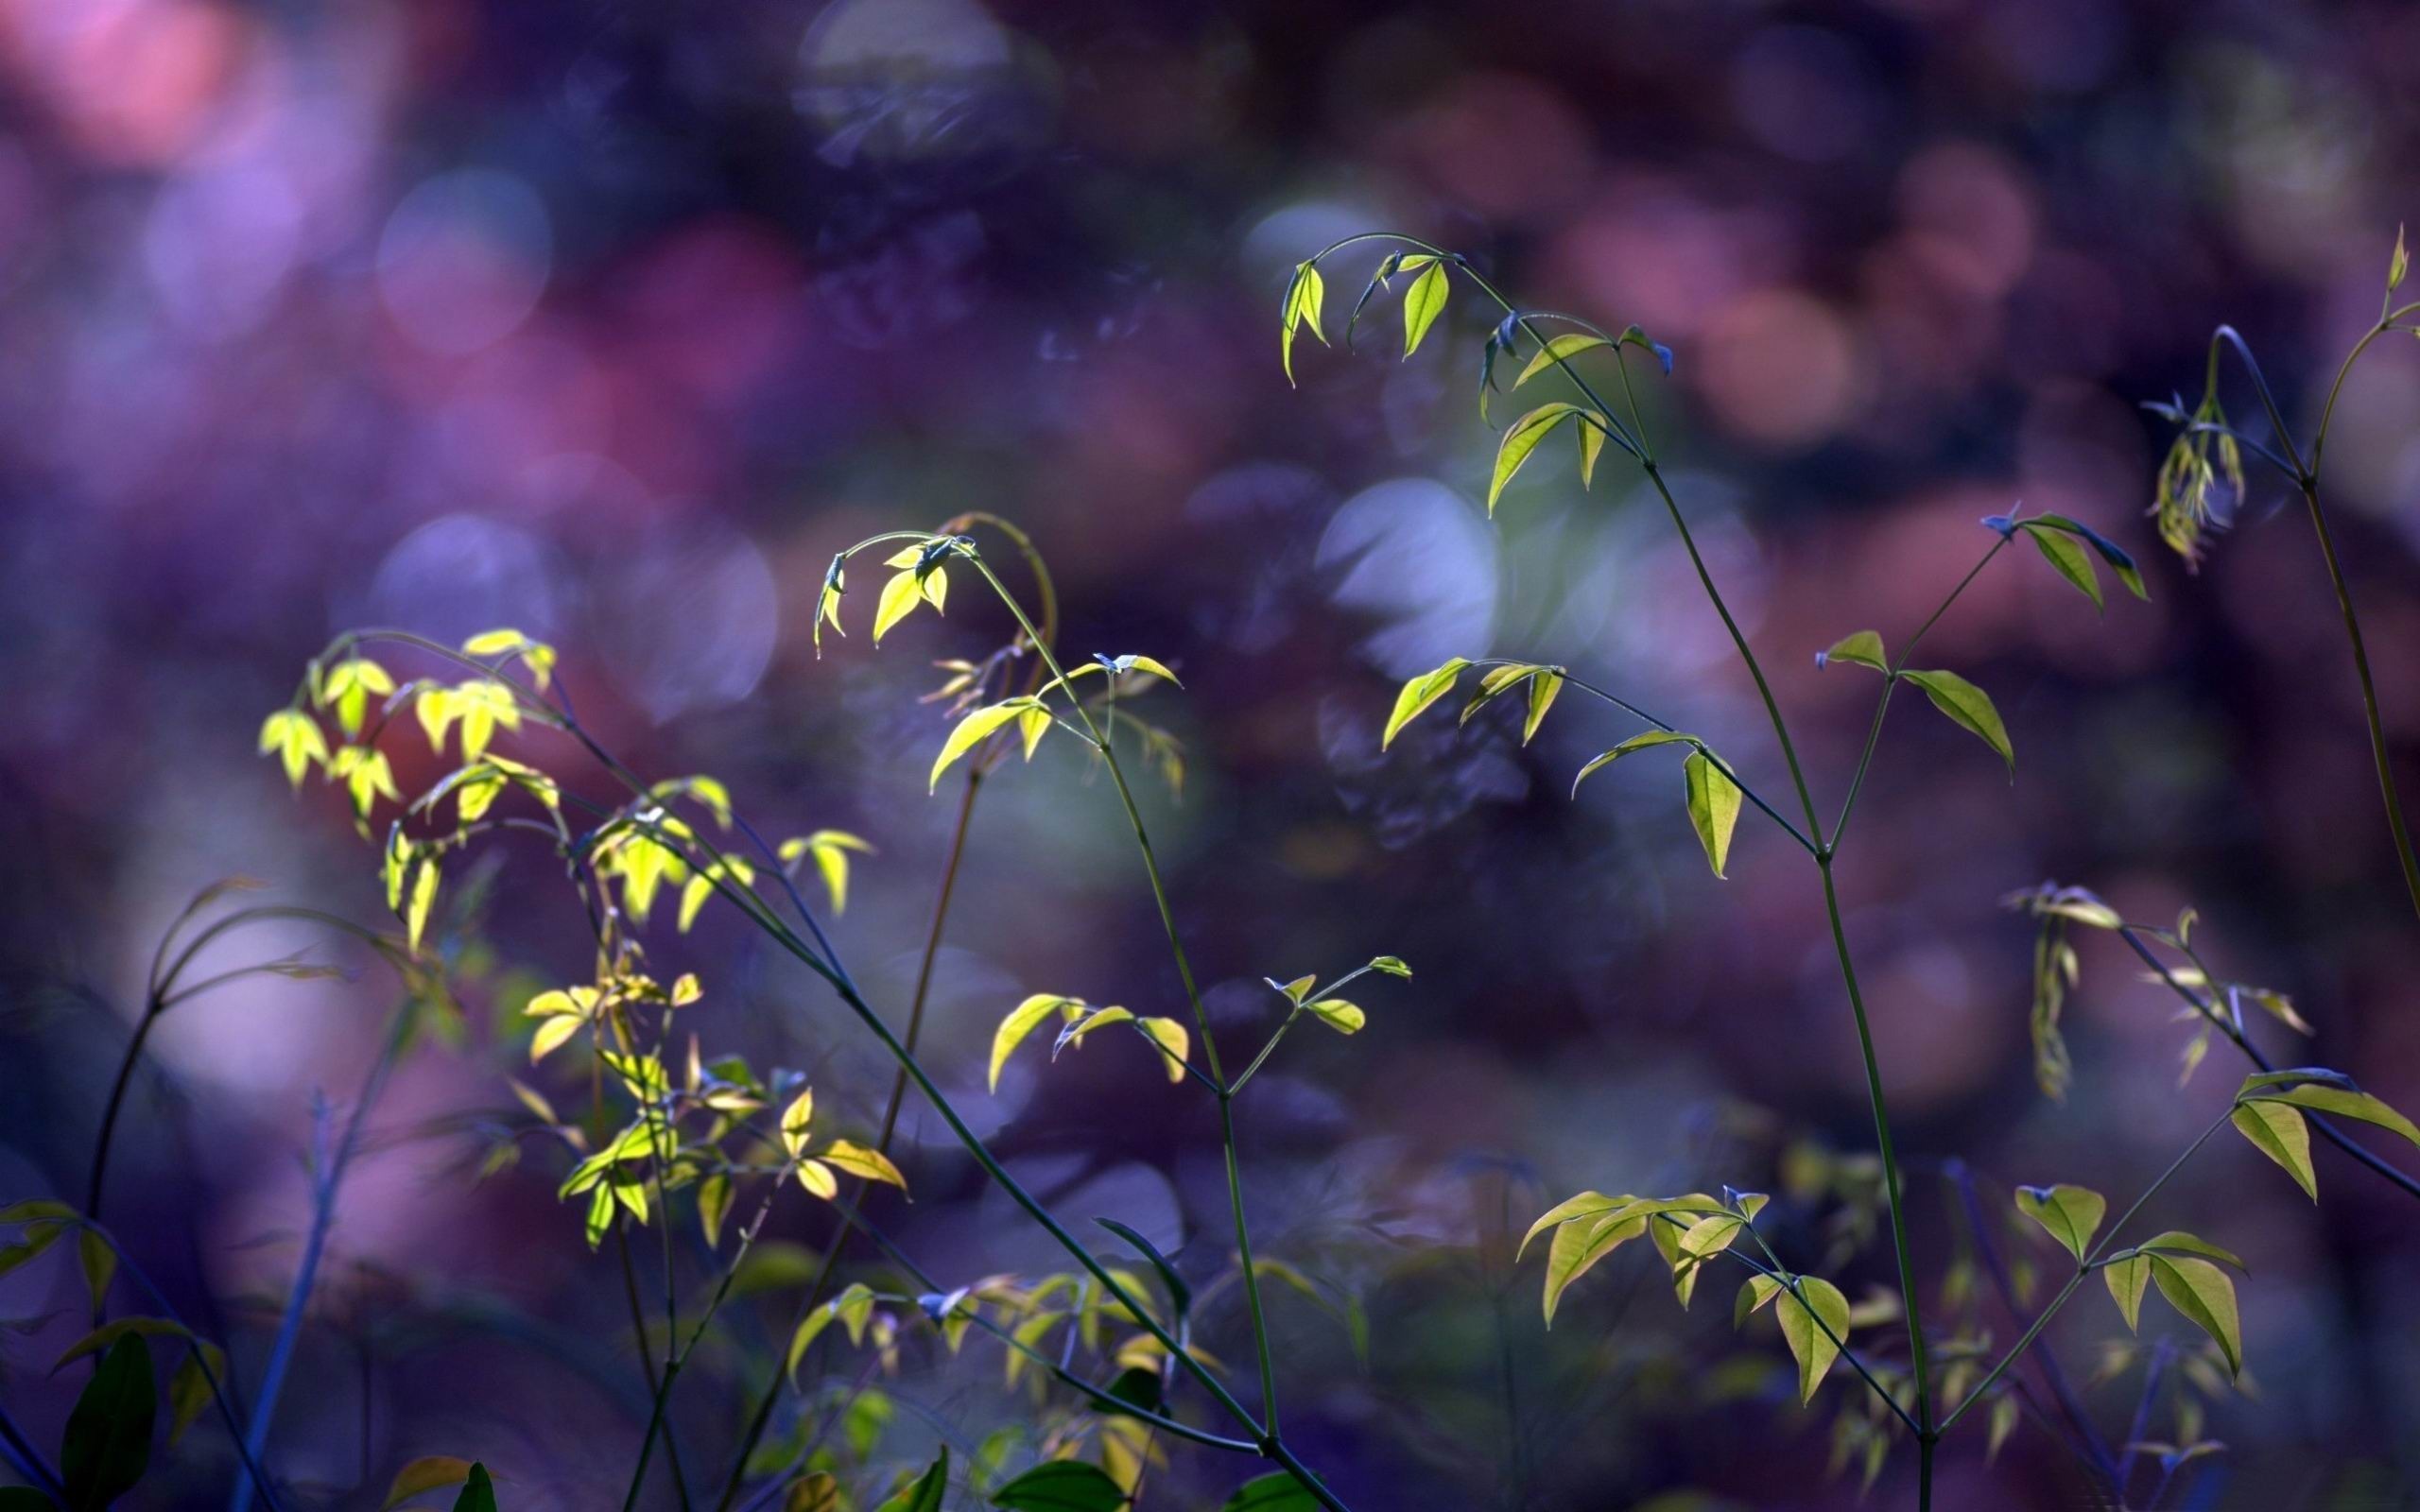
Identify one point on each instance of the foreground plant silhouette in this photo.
(2272, 1108)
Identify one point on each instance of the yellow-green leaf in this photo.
(1337, 1014)
(1521, 439)
(2278, 1131)
(970, 731)
(1543, 688)
(1968, 706)
(1421, 303)
(2070, 1214)
(1418, 695)
(1586, 1205)
(796, 1119)
(1558, 350)
(1863, 648)
(1580, 1246)
(2067, 556)
(2343, 1102)
(1810, 1345)
(2128, 1278)
(864, 1162)
(1635, 742)
(1714, 807)
(900, 597)
(2205, 1294)
(1020, 1022)
(1170, 1036)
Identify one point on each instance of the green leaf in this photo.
(1338, 1015)
(1810, 1345)
(1521, 439)
(427, 1473)
(1392, 964)
(1418, 695)
(2128, 1277)
(2004, 1418)
(2177, 1242)
(1421, 303)
(2205, 1296)
(2121, 560)
(1635, 742)
(108, 1445)
(925, 1494)
(2071, 1214)
(1277, 1492)
(2062, 552)
(1586, 1205)
(2398, 265)
(2345, 1101)
(1969, 706)
(189, 1386)
(2278, 1132)
(1864, 648)
(1577, 1246)
(1714, 807)
(1558, 350)
(25, 1499)
(1062, 1485)
(478, 1492)
(970, 732)
(1753, 1294)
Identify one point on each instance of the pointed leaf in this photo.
(2278, 1131)
(1560, 350)
(1418, 694)
(1810, 1345)
(1061, 1486)
(2205, 1296)
(1969, 706)
(1714, 807)
(1421, 303)
(2068, 558)
(426, 1473)
(1864, 648)
(107, 1443)
(1020, 1022)
(1521, 439)
(2128, 1278)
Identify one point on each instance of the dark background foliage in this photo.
(612, 321)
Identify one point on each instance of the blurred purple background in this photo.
(613, 321)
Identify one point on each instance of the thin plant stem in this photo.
(2084, 1268)
(1894, 1186)
(2132, 934)
(327, 1180)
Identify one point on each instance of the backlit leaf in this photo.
(1969, 706)
(1421, 303)
(900, 597)
(1579, 1245)
(1021, 1021)
(863, 1162)
(1714, 807)
(1418, 694)
(1586, 1205)
(1543, 688)
(2345, 1101)
(1338, 1015)
(1810, 1345)
(1170, 1036)
(970, 731)
(2128, 1278)
(1521, 439)
(1635, 742)
(1558, 350)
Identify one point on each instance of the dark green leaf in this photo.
(925, 1494)
(478, 1492)
(1279, 1492)
(1180, 1295)
(108, 1445)
(1061, 1486)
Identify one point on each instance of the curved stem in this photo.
(1627, 707)
(92, 1184)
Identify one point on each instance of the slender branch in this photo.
(2084, 1268)
(1632, 709)
(328, 1178)
(2132, 934)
